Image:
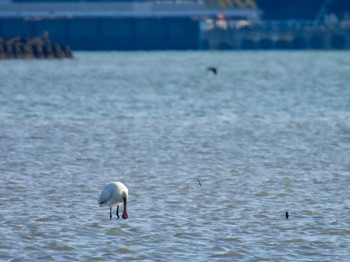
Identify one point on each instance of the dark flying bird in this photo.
(213, 69)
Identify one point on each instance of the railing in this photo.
(122, 9)
(271, 26)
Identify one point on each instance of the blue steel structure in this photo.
(115, 25)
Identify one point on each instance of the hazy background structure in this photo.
(180, 24)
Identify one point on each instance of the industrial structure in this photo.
(180, 24)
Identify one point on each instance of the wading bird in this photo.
(114, 194)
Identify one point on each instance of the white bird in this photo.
(114, 194)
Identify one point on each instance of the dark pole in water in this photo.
(287, 215)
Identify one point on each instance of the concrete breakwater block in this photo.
(32, 47)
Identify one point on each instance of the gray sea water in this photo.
(269, 134)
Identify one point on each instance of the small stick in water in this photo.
(287, 215)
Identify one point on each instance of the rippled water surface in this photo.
(269, 134)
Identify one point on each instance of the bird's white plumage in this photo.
(112, 194)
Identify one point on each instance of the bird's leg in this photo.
(117, 213)
(110, 212)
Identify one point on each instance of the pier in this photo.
(271, 35)
(149, 25)
(167, 25)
